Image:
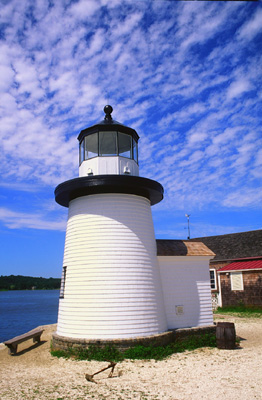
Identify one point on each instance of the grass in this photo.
(138, 352)
(241, 311)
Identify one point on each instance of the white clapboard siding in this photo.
(186, 288)
(112, 287)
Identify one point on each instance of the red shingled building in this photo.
(236, 270)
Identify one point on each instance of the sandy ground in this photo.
(201, 374)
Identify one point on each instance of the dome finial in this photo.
(108, 110)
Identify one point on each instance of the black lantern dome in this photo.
(108, 138)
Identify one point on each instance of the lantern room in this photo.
(108, 148)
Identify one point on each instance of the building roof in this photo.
(235, 245)
(182, 248)
(242, 266)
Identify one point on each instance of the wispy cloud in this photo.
(243, 198)
(252, 27)
(19, 220)
(186, 75)
(238, 88)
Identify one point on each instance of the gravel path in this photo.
(201, 374)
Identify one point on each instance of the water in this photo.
(23, 310)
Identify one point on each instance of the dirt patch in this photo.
(201, 374)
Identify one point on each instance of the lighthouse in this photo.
(111, 286)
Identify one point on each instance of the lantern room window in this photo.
(124, 145)
(82, 152)
(91, 146)
(135, 151)
(108, 143)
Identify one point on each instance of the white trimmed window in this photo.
(236, 281)
(63, 279)
(213, 281)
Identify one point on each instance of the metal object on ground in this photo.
(90, 378)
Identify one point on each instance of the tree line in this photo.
(20, 282)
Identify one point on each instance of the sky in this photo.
(186, 75)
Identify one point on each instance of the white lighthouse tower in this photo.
(111, 287)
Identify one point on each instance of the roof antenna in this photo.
(188, 227)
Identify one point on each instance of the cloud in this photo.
(7, 75)
(252, 27)
(237, 88)
(83, 9)
(184, 74)
(25, 187)
(243, 198)
(19, 220)
(258, 160)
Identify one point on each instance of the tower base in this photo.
(65, 343)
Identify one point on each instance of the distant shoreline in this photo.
(21, 282)
(25, 290)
